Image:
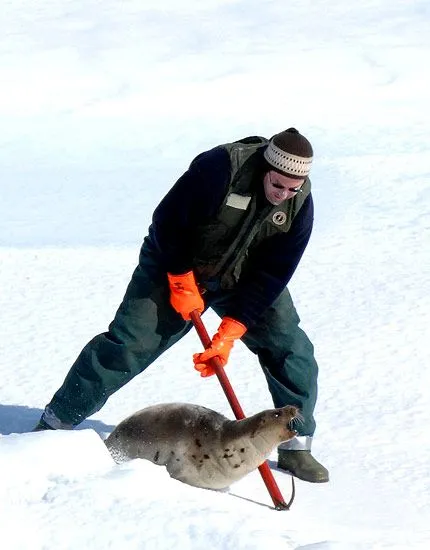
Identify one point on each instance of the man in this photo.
(228, 235)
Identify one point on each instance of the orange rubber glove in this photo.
(184, 294)
(228, 331)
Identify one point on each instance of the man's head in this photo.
(289, 155)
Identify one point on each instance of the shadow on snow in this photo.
(20, 419)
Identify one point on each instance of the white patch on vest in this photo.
(238, 201)
(279, 218)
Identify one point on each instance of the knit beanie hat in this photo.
(290, 153)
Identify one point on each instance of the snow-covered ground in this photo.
(102, 107)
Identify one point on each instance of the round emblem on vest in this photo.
(279, 218)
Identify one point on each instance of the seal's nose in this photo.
(290, 427)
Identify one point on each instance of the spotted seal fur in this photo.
(198, 445)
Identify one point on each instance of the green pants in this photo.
(146, 325)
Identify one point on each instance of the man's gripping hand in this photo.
(184, 294)
(222, 342)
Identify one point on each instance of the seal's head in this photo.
(281, 421)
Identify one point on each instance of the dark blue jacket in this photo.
(193, 200)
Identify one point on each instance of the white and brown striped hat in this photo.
(290, 153)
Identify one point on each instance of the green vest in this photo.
(222, 245)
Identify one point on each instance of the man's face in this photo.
(279, 188)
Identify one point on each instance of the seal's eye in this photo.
(276, 414)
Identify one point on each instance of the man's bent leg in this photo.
(145, 326)
(287, 358)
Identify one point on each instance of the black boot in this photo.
(42, 425)
(49, 421)
(303, 465)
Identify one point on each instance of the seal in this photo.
(199, 446)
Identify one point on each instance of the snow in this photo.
(102, 107)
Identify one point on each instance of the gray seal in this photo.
(199, 446)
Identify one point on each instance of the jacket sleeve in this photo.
(194, 198)
(272, 265)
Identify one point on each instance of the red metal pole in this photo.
(264, 469)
